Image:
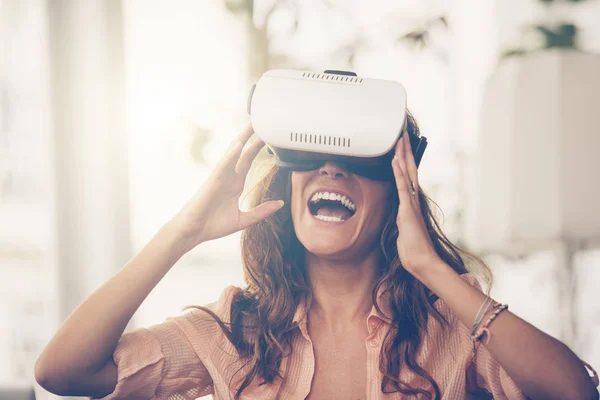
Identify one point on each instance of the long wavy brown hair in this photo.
(261, 325)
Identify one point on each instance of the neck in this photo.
(342, 290)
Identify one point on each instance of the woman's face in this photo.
(337, 213)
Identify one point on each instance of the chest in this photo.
(340, 365)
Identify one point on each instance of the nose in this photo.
(333, 169)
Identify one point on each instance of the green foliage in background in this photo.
(240, 6)
(553, 36)
(199, 137)
(558, 36)
(261, 56)
(561, 1)
(420, 38)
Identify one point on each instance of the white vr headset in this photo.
(307, 119)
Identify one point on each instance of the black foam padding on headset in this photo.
(419, 150)
(338, 72)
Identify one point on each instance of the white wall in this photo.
(28, 296)
(186, 68)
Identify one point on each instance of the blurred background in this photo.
(112, 114)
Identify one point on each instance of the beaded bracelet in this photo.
(594, 376)
(475, 337)
(479, 317)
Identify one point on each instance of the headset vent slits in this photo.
(315, 138)
(332, 78)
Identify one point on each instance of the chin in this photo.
(324, 242)
(326, 248)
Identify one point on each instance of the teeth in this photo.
(349, 204)
(334, 196)
(328, 219)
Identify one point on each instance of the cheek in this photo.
(297, 180)
(378, 216)
(379, 205)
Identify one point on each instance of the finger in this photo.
(259, 213)
(248, 155)
(400, 155)
(243, 137)
(411, 166)
(231, 157)
(401, 182)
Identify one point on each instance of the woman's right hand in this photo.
(79, 359)
(214, 211)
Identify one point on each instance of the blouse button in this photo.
(374, 342)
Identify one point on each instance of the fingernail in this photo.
(281, 203)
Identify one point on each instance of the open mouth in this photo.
(331, 207)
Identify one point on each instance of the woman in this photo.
(353, 292)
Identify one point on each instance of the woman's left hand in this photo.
(415, 248)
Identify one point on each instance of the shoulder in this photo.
(199, 324)
(201, 315)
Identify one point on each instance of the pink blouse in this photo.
(188, 356)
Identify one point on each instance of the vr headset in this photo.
(307, 119)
